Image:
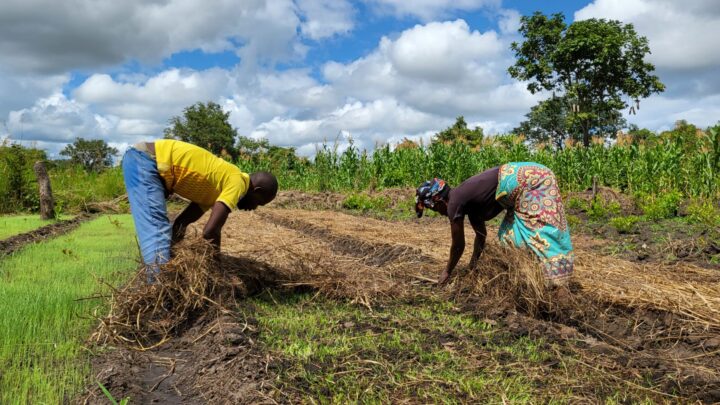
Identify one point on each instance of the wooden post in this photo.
(594, 188)
(47, 204)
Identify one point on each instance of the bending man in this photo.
(154, 170)
(535, 216)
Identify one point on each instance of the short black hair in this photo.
(268, 184)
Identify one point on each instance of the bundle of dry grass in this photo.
(507, 278)
(145, 316)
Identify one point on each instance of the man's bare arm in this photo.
(190, 214)
(214, 225)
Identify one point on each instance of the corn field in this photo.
(670, 162)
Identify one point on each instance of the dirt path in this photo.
(17, 242)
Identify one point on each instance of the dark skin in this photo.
(457, 229)
(261, 190)
(250, 201)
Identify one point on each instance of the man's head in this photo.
(262, 190)
(433, 194)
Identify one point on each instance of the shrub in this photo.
(576, 203)
(624, 224)
(704, 212)
(365, 202)
(601, 209)
(662, 206)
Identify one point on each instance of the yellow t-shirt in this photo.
(196, 174)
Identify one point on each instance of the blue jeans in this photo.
(146, 194)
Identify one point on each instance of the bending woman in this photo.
(535, 217)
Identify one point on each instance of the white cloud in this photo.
(660, 113)
(55, 36)
(428, 10)
(158, 97)
(325, 18)
(442, 52)
(56, 119)
(682, 35)
(20, 90)
(437, 68)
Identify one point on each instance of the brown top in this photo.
(475, 197)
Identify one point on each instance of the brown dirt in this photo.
(17, 242)
(653, 327)
(214, 361)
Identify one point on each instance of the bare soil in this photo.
(17, 242)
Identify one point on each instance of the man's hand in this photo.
(190, 214)
(214, 225)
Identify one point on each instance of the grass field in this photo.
(45, 322)
(15, 224)
(427, 350)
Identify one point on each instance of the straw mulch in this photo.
(366, 261)
(689, 292)
(145, 316)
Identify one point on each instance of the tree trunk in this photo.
(47, 204)
(586, 134)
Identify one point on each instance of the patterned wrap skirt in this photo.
(535, 217)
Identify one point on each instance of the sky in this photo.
(301, 72)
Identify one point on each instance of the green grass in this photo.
(43, 324)
(15, 224)
(424, 352)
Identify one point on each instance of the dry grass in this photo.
(298, 251)
(145, 316)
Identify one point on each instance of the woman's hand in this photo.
(444, 277)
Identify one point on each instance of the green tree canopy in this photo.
(459, 132)
(552, 121)
(595, 65)
(93, 154)
(205, 125)
(260, 152)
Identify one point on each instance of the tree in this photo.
(93, 154)
(638, 134)
(552, 121)
(459, 132)
(261, 154)
(205, 125)
(547, 123)
(248, 147)
(593, 64)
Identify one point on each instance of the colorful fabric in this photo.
(198, 175)
(535, 217)
(146, 194)
(428, 194)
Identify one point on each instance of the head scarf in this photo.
(428, 194)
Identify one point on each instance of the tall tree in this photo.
(459, 132)
(596, 65)
(93, 154)
(552, 121)
(205, 125)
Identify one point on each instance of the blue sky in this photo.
(299, 72)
